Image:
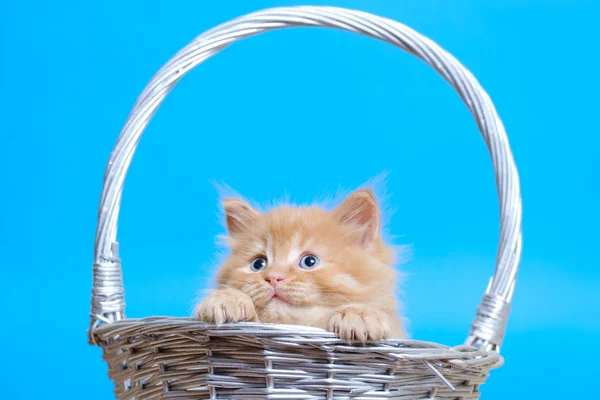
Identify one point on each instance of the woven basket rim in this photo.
(409, 349)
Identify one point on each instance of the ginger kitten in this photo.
(308, 266)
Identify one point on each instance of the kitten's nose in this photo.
(274, 279)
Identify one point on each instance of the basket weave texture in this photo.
(166, 357)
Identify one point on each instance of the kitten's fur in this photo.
(351, 292)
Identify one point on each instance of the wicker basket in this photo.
(164, 358)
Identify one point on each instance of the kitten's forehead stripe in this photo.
(294, 248)
(269, 248)
(295, 240)
(294, 255)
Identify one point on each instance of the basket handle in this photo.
(487, 330)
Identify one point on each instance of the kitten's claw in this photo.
(360, 323)
(226, 305)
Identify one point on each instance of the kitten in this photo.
(308, 266)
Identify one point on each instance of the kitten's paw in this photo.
(357, 322)
(226, 305)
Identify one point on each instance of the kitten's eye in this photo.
(309, 261)
(258, 264)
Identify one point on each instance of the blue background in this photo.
(300, 112)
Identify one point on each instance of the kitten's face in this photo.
(303, 259)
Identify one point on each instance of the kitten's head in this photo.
(291, 258)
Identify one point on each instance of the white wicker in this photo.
(183, 358)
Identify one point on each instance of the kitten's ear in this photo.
(360, 210)
(239, 216)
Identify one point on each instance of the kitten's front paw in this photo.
(357, 322)
(226, 305)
